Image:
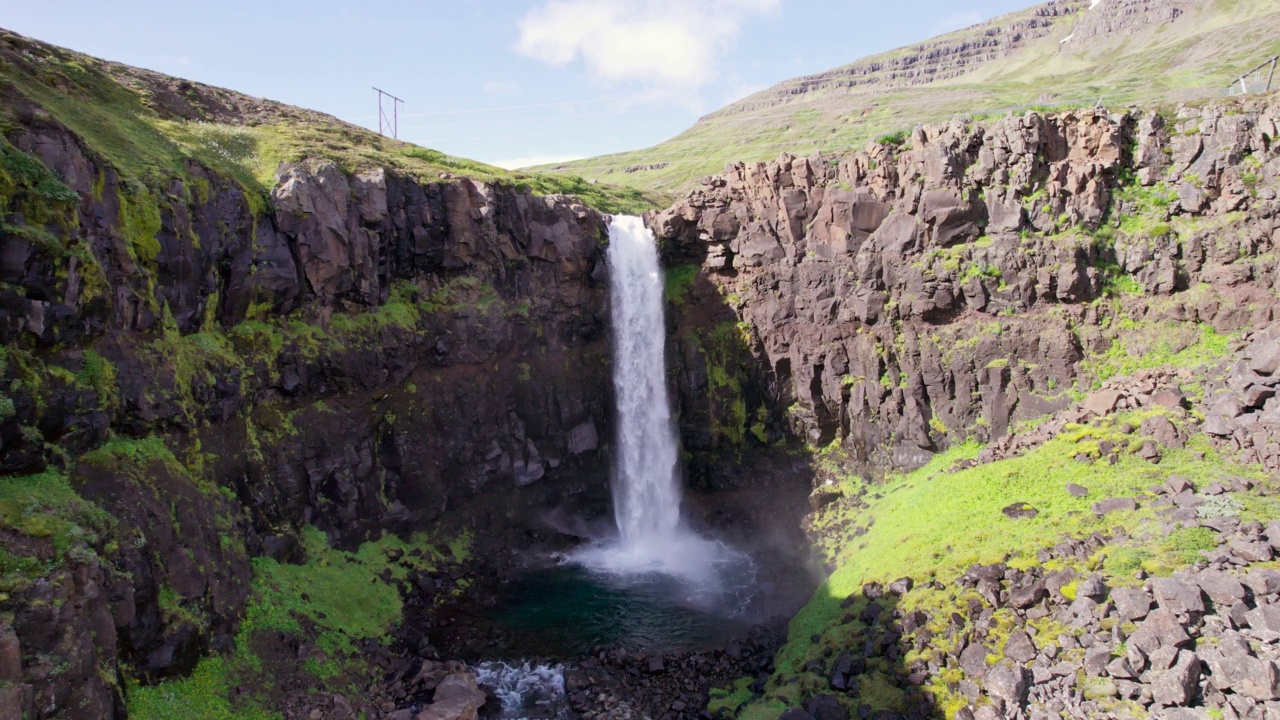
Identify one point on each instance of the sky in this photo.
(509, 82)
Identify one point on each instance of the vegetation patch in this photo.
(934, 523)
(1140, 345)
(52, 523)
(677, 282)
(334, 599)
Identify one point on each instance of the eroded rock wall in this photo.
(199, 370)
(946, 286)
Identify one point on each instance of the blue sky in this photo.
(504, 81)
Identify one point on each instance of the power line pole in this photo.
(391, 122)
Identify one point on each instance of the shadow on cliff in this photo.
(751, 480)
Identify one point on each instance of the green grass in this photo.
(204, 695)
(933, 524)
(677, 282)
(1140, 345)
(730, 699)
(45, 509)
(1193, 58)
(333, 599)
(150, 151)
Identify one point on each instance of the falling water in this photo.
(646, 483)
(646, 489)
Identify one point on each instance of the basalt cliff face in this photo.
(903, 298)
(1066, 323)
(192, 373)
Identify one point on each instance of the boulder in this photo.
(825, 707)
(1264, 622)
(1161, 628)
(1008, 682)
(1131, 604)
(1096, 661)
(1257, 678)
(1110, 505)
(1178, 684)
(1102, 402)
(1025, 596)
(1251, 551)
(973, 660)
(1177, 596)
(457, 697)
(1019, 647)
(1019, 510)
(1222, 588)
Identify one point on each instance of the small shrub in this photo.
(1126, 561)
(1220, 506)
(1188, 542)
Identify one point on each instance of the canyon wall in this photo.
(193, 371)
(950, 283)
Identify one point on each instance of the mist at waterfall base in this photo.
(655, 585)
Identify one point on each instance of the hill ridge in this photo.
(1059, 54)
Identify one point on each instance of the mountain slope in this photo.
(1058, 53)
(150, 124)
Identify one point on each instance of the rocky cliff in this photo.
(197, 367)
(1058, 318)
(957, 281)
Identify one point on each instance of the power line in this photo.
(501, 108)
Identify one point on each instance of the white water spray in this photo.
(646, 484)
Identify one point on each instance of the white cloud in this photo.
(500, 87)
(957, 21)
(661, 49)
(523, 162)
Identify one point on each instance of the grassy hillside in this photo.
(149, 125)
(1119, 52)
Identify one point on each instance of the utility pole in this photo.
(1244, 88)
(389, 122)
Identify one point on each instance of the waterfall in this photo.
(652, 538)
(646, 483)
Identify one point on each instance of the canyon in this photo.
(279, 424)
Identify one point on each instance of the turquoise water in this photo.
(568, 611)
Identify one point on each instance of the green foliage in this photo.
(934, 524)
(204, 695)
(1188, 542)
(979, 270)
(677, 281)
(732, 698)
(131, 451)
(98, 373)
(1140, 345)
(1126, 561)
(30, 175)
(336, 597)
(1220, 506)
(1148, 209)
(894, 139)
(722, 350)
(44, 507)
